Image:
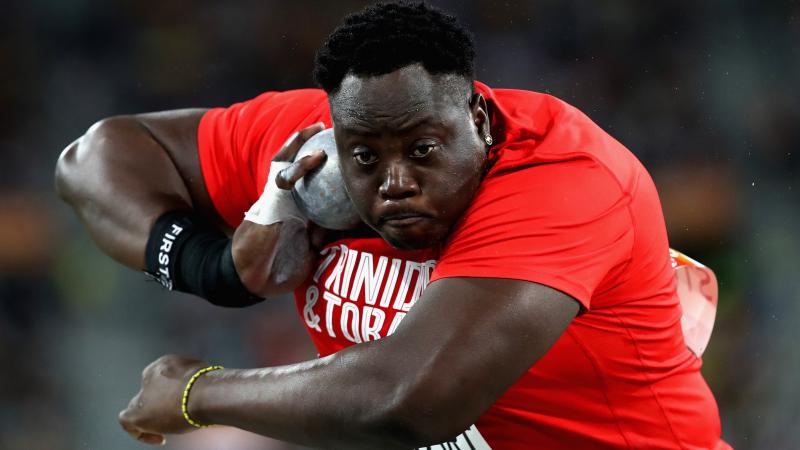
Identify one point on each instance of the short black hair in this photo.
(385, 37)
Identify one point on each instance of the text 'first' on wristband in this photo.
(188, 255)
(169, 234)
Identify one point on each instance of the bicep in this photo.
(469, 339)
(176, 131)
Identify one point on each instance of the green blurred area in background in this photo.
(704, 93)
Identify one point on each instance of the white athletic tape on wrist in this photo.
(275, 204)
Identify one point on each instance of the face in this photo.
(411, 151)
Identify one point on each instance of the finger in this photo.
(126, 420)
(152, 438)
(135, 404)
(295, 141)
(126, 415)
(287, 177)
(155, 365)
(127, 424)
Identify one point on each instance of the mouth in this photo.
(403, 220)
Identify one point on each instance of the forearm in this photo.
(341, 401)
(458, 350)
(455, 353)
(272, 259)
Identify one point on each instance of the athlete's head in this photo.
(410, 130)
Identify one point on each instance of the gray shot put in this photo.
(321, 194)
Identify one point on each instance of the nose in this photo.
(398, 183)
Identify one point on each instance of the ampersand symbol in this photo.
(312, 320)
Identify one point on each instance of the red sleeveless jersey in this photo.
(564, 205)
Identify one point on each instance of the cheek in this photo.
(470, 158)
(457, 187)
(466, 167)
(358, 188)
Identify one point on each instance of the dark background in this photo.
(705, 93)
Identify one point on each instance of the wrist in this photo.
(204, 402)
(252, 250)
(188, 255)
(192, 398)
(275, 204)
(270, 259)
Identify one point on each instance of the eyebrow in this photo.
(364, 131)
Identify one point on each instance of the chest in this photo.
(360, 290)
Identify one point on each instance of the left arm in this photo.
(458, 350)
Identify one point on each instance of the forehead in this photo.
(398, 98)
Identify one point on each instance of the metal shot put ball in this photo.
(321, 194)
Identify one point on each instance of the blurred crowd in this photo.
(704, 93)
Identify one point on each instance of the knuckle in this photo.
(125, 419)
(133, 405)
(165, 362)
(281, 181)
(311, 130)
(294, 172)
(162, 360)
(168, 358)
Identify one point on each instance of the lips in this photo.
(402, 218)
(404, 222)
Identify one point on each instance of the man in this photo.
(514, 262)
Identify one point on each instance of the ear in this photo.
(480, 115)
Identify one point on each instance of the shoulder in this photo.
(559, 224)
(532, 128)
(570, 191)
(294, 103)
(307, 98)
(259, 126)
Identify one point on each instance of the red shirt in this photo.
(564, 205)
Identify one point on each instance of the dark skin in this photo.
(412, 157)
(127, 171)
(461, 346)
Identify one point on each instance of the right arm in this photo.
(127, 171)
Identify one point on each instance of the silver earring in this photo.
(488, 139)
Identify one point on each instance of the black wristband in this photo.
(186, 255)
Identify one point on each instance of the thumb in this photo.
(152, 438)
(288, 177)
(125, 419)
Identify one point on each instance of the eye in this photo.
(365, 157)
(423, 150)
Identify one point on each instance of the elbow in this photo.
(65, 170)
(75, 162)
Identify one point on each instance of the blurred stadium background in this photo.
(705, 93)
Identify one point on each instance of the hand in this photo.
(289, 176)
(156, 409)
(274, 259)
(298, 169)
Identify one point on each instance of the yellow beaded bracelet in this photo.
(185, 400)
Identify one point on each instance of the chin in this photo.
(413, 241)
